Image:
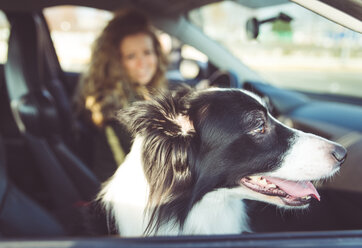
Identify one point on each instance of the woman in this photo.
(127, 62)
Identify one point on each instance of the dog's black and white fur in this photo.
(196, 155)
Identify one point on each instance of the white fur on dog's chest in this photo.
(126, 194)
(218, 212)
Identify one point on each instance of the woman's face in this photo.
(139, 58)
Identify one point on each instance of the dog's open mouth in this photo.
(291, 192)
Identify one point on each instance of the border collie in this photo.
(197, 155)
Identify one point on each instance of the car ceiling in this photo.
(164, 7)
(353, 7)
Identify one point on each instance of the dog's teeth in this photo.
(255, 178)
(263, 182)
(271, 185)
(306, 197)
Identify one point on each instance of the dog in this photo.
(197, 155)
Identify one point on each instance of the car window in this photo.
(74, 29)
(309, 53)
(4, 36)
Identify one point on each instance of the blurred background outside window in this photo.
(4, 37)
(309, 53)
(73, 30)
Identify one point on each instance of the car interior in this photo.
(42, 113)
(44, 177)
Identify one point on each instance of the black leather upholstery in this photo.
(19, 215)
(30, 83)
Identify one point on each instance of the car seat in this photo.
(41, 119)
(19, 215)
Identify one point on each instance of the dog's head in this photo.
(196, 142)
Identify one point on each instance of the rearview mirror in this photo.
(253, 24)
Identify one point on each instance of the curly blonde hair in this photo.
(106, 87)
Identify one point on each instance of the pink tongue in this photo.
(297, 189)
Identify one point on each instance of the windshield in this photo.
(309, 53)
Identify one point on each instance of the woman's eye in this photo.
(129, 56)
(148, 52)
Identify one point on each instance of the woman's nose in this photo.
(141, 61)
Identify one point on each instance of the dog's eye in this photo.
(260, 129)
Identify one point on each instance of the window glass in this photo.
(4, 37)
(73, 31)
(309, 53)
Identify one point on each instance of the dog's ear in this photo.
(167, 133)
(165, 112)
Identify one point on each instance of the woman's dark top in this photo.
(103, 149)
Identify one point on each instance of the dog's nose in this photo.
(340, 153)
